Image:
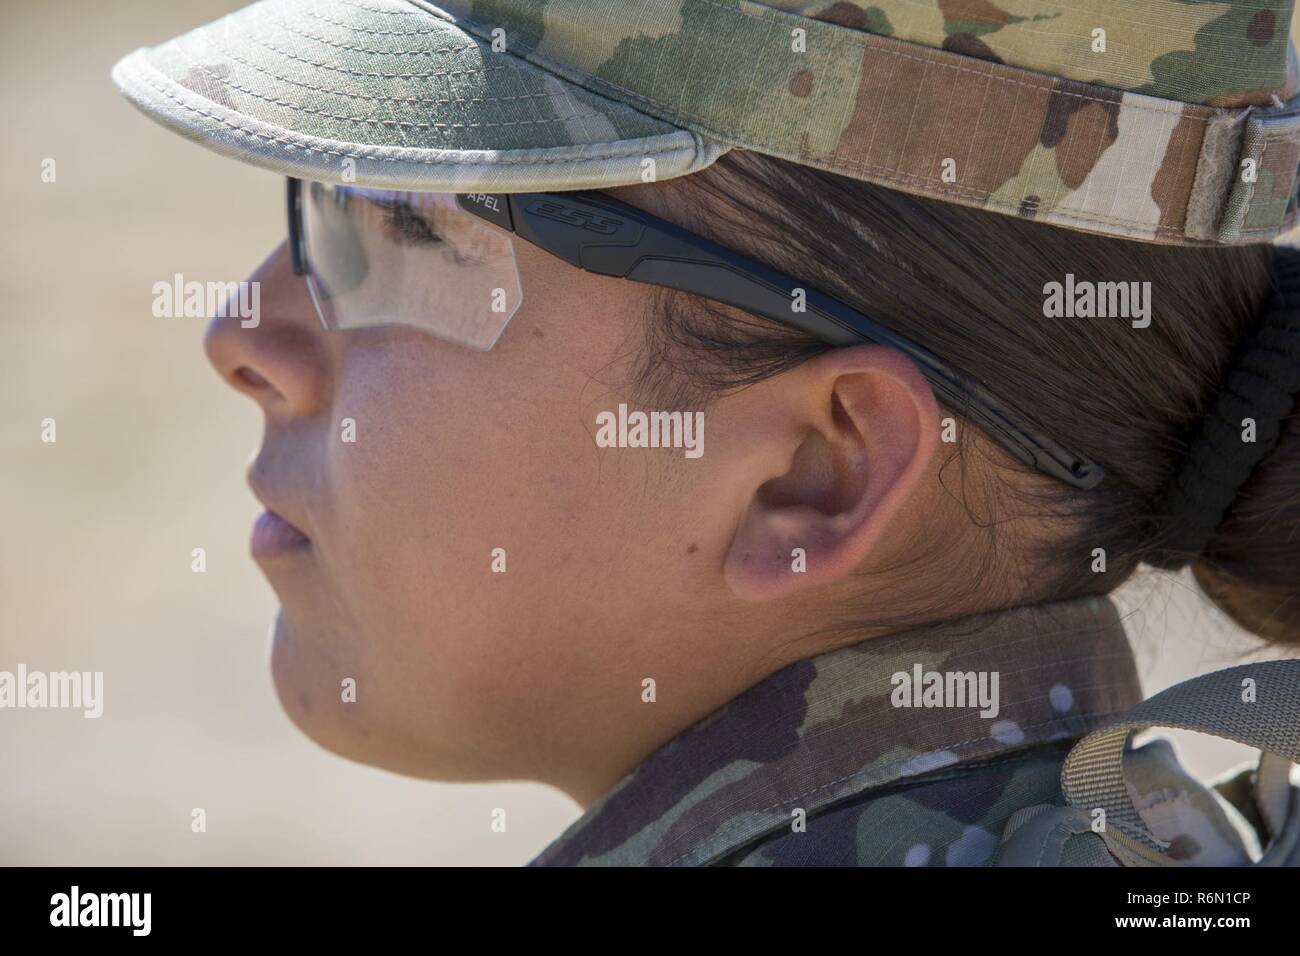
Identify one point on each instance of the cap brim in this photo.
(395, 95)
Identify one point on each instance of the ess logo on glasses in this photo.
(576, 216)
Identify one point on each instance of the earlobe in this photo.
(867, 433)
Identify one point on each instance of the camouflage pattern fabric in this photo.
(816, 765)
(1172, 121)
(1215, 53)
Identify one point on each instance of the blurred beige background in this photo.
(98, 527)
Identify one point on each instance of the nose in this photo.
(278, 358)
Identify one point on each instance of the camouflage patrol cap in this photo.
(1174, 121)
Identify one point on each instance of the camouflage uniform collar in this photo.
(830, 727)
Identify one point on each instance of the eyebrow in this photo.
(405, 221)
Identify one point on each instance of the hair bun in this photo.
(1257, 396)
(1251, 568)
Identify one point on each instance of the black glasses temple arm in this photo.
(573, 227)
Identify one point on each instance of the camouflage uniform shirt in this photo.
(821, 764)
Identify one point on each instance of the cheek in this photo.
(403, 516)
(457, 454)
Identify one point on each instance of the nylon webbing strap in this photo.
(1253, 704)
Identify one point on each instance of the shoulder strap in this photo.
(1253, 704)
(1047, 835)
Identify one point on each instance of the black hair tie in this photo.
(1261, 383)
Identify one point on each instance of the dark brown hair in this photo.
(969, 286)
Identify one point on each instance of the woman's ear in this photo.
(858, 430)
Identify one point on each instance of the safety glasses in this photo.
(380, 257)
(444, 263)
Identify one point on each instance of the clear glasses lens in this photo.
(381, 257)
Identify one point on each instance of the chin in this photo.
(310, 694)
(300, 687)
(309, 688)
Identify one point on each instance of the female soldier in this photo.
(538, 253)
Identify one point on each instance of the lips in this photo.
(272, 535)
